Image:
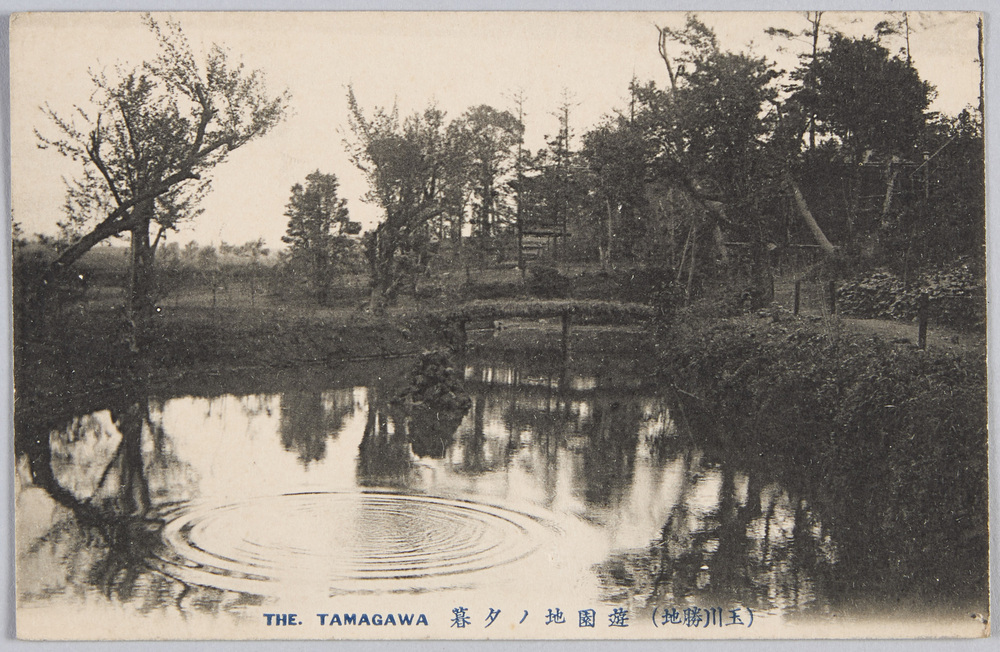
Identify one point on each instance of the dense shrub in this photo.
(433, 404)
(434, 382)
(653, 285)
(547, 283)
(492, 290)
(956, 297)
(856, 425)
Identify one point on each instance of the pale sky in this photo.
(457, 60)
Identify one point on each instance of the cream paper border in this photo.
(71, 625)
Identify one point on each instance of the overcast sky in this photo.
(456, 60)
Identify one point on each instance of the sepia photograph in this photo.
(499, 325)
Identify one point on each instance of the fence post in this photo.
(798, 292)
(922, 316)
(832, 291)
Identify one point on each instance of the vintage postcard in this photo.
(486, 325)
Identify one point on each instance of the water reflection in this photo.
(116, 499)
(310, 417)
(728, 539)
(101, 474)
(384, 457)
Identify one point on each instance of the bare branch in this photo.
(95, 155)
(664, 33)
(131, 133)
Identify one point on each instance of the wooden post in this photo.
(567, 327)
(922, 317)
(798, 292)
(832, 291)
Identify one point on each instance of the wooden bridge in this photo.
(566, 309)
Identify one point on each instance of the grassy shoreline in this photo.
(89, 353)
(889, 441)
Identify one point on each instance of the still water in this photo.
(565, 484)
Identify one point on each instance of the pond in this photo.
(225, 496)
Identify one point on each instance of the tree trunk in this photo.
(807, 217)
(720, 244)
(694, 246)
(892, 172)
(459, 227)
(606, 254)
(520, 239)
(322, 276)
(687, 243)
(139, 304)
(376, 302)
(716, 209)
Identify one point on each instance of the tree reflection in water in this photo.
(102, 471)
(683, 519)
(612, 432)
(730, 540)
(310, 417)
(396, 432)
(384, 453)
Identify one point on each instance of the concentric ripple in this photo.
(343, 540)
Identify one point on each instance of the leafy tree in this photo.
(152, 133)
(491, 137)
(555, 202)
(707, 136)
(553, 185)
(560, 169)
(318, 226)
(870, 108)
(867, 98)
(804, 75)
(944, 220)
(455, 165)
(407, 164)
(615, 152)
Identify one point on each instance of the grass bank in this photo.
(88, 351)
(888, 441)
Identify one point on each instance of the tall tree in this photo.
(867, 98)
(406, 164)
(520, 165)
(491, 139)
(318, 226)
(615, 152)
(706, 135)
(804, 78)
(151, 133)
(557, 166)
(871, 107)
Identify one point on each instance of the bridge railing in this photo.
(567, 310)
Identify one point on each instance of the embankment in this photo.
(887, 441)
(92, 355)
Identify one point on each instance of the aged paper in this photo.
(245, 410)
